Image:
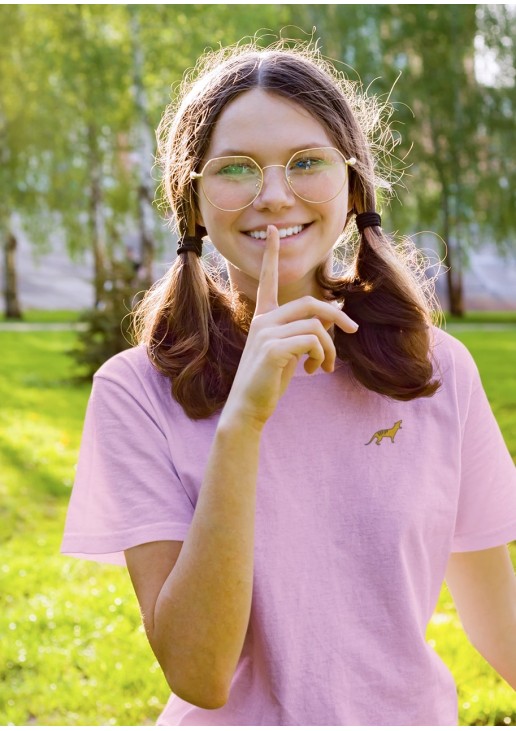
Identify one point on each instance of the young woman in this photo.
(291, 465)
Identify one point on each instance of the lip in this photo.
(263, 227)
(283, 241)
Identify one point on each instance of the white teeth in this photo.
(283, 232)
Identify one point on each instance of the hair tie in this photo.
(369, 218)
(190, 243)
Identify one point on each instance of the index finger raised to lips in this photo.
(267, 295)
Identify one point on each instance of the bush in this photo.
(107, 329)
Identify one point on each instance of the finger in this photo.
(310, 307)
(299, 345)
(311, 326)
(267, 295)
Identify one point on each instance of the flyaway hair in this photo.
(195, 328)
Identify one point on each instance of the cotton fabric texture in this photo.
(353, 534)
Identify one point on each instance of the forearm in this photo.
(500, 653)
(483, 587)
(203, 609)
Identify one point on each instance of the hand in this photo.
(277, 338)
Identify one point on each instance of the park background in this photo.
(82, 88)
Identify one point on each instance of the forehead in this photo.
(260, 123)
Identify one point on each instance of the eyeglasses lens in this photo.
(316, 176)
(231, 183)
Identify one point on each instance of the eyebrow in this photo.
(230, 152)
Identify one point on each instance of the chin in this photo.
(293, 277)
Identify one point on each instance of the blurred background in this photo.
(83, 88)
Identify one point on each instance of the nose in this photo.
(275, 193)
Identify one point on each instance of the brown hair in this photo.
(194, 328)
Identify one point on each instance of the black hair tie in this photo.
(190, 243)
(369, 218)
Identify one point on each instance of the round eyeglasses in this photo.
(232, 183)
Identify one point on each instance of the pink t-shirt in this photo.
(353, 530)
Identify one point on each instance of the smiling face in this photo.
(270, 128)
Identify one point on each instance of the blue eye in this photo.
(307, 164)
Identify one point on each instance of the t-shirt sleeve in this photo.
(126, 491)
(486, 515)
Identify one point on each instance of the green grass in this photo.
(39, 316)
(72, 648)
(484, 317)
(481, 317)
(495, 355)
(73, 652)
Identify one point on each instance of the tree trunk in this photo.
(146, 237)
(453, 262)
(97, 226)
(455, 289)
(12, 304)
(145, 156)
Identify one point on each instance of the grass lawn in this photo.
(484, 317)
(46, 316)
(73, 651)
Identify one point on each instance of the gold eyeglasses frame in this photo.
(198, 176)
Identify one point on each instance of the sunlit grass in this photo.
(484, 317)
(73, 651)
(38, 316)
(495, 355)
(484, 699)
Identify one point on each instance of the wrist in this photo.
(240, 424)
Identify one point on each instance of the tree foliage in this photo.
(83, 88)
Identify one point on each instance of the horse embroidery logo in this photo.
(379, 435)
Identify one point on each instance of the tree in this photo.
(89, 180)
(14, 154)
(84, 86)
(143, 149)
(446, 124)
(496, 50)
(460, 178)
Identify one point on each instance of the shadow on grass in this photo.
(39, 490)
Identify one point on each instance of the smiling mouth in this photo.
(284, 233)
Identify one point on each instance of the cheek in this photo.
(210, 217)
(335, 215)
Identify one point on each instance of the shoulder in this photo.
(447, 351)
(445, 346)
(454, 366)
(132, 371)
(133, 364)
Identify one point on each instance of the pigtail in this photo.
(193, 326)
(187, 323)
(390, 352)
